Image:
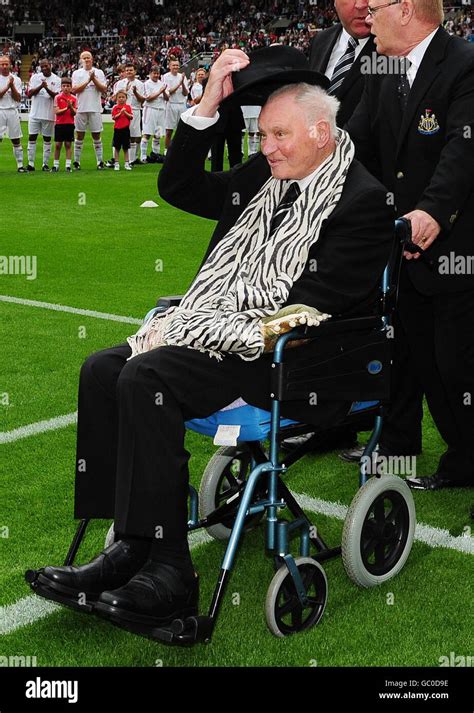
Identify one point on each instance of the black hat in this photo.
(271, 68)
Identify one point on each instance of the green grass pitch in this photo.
(97, 249)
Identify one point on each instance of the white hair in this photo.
(315, 101)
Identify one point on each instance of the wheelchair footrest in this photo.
(43, 590)
(180, 632)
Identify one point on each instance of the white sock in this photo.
(68, 163)
(31, 152)
(56, 163)
(78, 146)
(46, 152)
(99, 154)
(144, 149)
(133, 152)
(18, 153)
(155, 146)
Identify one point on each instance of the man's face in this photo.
(154, 76)
(5, 66)
(385, 25)
(174, 68)
(45, 67)
(200, 76)
(86, 59)
(353, 14)
(288, 143)
(130, 73)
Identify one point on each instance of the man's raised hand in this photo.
(219, 84)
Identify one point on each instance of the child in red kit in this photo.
(122, 115)
(65, 108)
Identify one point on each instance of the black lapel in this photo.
(427, 73)
(321, 53)
(354, 73)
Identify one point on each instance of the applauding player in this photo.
(42, 90)
(10, 97)
(88, 84)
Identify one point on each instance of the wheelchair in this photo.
(242, 485)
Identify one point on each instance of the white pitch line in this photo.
(51, 424)
(429, 535)
(33, 608)
(71, 310)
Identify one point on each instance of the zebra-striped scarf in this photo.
(249, 274)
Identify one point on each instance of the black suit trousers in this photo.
(131, 461)
(436, 356)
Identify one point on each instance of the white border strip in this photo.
(71, 310)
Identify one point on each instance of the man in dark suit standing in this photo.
(339, 51)
(413, 129)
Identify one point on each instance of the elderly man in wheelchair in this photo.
(297, 259)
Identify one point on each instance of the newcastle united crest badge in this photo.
(428, 123)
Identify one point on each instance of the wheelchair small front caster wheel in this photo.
(378, 531)
(284, 612)
(224, 478)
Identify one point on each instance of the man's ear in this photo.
(320, 132)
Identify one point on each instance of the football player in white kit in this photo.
(42, 89)
(153, 113)
(197, 88)
(88, 84)
(251, 114)
(178, 90)
(135, 97)
(10, 97)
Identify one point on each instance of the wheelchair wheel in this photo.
(110, 536)
(283, 610)
(378, 531)
(225, 475)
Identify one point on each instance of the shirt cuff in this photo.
(198, 122)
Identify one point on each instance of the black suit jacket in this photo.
(350, 91)
(350, 254)
(431, 171)
(354, 243)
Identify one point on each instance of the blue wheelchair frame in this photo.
(275, 495)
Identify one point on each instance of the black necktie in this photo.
(403, 83)
(343, 66)
(284, 206)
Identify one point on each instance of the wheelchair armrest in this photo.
(169, 301)
(336, 326)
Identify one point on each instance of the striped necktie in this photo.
(284, 206)
(343, 66)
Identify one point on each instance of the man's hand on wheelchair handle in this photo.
(425, 230)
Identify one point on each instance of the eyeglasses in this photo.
(373, 10)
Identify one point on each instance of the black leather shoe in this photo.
(353, 455)
(436, 482)
(154, 597)
(82, 585)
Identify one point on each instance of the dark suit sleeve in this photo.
(349, 257)
(453, 180)
(359, 127)
(183, 180)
